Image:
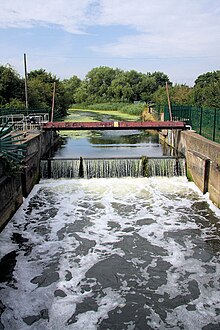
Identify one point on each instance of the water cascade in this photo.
(112, 167)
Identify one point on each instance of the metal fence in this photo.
(25, 112)
(206, 122)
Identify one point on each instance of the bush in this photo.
(132, 109)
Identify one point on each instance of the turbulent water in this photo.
(120, 253)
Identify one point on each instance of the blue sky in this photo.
(70, 37)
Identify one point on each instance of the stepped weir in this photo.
(112, 167)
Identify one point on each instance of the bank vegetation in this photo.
(104, 88)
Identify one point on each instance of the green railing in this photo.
(25, 112)
(206, 122)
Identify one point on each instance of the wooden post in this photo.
(168, 99)
(25, 82)
(53, 99)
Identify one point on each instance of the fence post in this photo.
(200, 128)
(190, 116)
(213, 137)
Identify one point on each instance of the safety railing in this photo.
(24, 123)
(206, 122)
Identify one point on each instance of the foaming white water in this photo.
(112, 253)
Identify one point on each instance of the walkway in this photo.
(113, 125)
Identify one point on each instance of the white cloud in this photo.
(162, 26)
(69, 15)
(189, 28)
(158, 29)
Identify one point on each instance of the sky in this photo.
(70, 37)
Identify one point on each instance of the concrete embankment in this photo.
(14, 185)
(203, 162)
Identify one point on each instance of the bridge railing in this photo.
(205, 122)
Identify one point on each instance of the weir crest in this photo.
(112, 167)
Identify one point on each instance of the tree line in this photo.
(104, 85)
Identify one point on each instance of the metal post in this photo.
(190, 116)
(25, 82)
(200, 128)
(213, 137)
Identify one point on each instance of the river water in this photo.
(98, 144)
(112, 253)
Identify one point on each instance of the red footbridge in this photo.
(115, 125)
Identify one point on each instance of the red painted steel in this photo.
(113, 125)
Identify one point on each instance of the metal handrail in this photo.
(24, 123)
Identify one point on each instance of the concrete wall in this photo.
(203, 162)
(38, 145)
(10, 195)
(15, 186)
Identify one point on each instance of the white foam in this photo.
(89, 222)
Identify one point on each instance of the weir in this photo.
(112, 167)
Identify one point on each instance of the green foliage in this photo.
(179, 94)
(15, 104)
(40, 91)
(105, 84)
(104, 88)
(132, 109)
(106, 106)
(207, 90)
(11, 87)
(70, 86)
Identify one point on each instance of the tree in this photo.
(99, 81)
(95, 88)
(179, 94)
(207, 90)
(160, 78)
(70, 86)
(104, 84)
(121, 89)
(40, 92)
(11, 88)
(81, 94)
